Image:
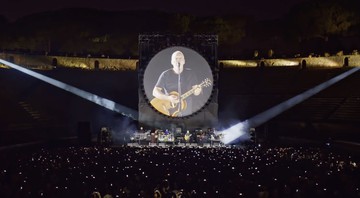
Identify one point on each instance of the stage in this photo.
(162, 138)
(213, 144)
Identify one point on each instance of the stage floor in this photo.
(173, 144)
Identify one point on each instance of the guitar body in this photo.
(187, 137)
(172, 109)
(168, 108)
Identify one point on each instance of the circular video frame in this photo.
(178, 81)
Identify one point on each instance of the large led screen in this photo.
(178, 81)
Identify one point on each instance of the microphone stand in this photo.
(179, 91)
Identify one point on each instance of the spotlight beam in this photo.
(259, 119)
(280, 108)
(111, 105)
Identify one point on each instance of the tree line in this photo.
(319, 26)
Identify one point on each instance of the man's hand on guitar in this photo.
(173, 99)
(197, 89)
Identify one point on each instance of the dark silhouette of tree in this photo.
(322, 19)
(311, 26)
(181, 23)
(4, 25)
(318, 25)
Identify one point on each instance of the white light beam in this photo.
(111, 105)
(261, 118)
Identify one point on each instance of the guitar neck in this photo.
(191, 91)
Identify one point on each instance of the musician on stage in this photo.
(187, 136)
(175, 82)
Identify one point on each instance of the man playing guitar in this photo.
(172, 84)
(187, 136)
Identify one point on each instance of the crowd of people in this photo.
(143, 171)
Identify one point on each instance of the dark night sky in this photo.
(13, 9)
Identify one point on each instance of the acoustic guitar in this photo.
(172, 109)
